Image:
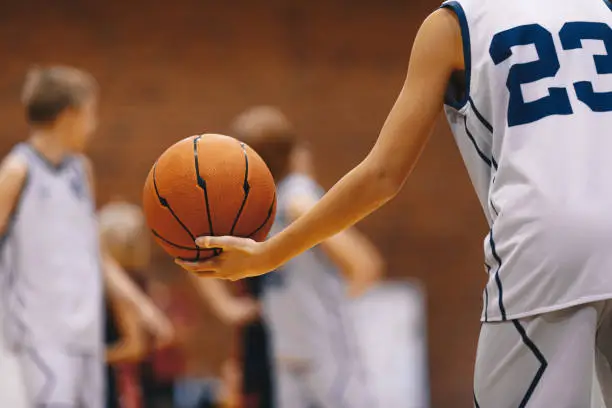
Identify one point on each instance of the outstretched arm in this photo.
(437, 53)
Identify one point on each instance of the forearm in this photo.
(359, 193)
(123, 352)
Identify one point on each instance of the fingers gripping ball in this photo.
(208, 185)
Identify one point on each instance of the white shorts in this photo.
(12, 388)
(559, 359)
(321, 385)
(56, 377)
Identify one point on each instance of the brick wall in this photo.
(172, 69)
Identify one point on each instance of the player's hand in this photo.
(240, 258)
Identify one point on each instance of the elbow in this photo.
(388, 181)
(137, 350)
(379, 267)
(376, 269)
(368, 271)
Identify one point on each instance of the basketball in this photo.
(208, 185)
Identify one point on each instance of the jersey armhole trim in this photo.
(467, 53)
(608, 3)
(13, 214)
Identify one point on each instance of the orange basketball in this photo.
(208, 185)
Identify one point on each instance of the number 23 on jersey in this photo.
(557, 102)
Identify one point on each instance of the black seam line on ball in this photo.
(165, 204)
(202, 185)
(245, 187)
(270, 210)
(198, 259)
(172, 244)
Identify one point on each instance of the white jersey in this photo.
(304, 302)
(50, 262)
(534, 130)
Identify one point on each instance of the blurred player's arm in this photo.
(131, 345)
(230, 309)
(13, 173)
(119, 285)
(350, 250)
(436, 54)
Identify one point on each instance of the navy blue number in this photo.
(571, 36)
(546, 66)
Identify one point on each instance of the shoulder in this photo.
(443, 27)
(298, 187)
(299, 194)
(13, 175)
(299, 183)
(14, 169)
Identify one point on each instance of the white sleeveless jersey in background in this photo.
(304, 302)
(535, 132)
(50, 265)
(308, 316)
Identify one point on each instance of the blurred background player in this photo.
(51, 259)
(305, 307)
(239, 309)
(131, 375)
(121, 234)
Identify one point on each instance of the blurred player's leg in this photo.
(12, 389)
(289, 386)
(92, 387)
(52, 376)
(334, 383)
(60, 377)
(541, 361)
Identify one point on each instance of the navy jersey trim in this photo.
(493, 207)
(608, 3)
(53, 167)
(14, 212)
(476, 401)
(485, 123)
(481, 118)
(486, 293)
(538, 355)
(467, 53)
(480, 152)
(500, 297)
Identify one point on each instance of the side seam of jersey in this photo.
(456, 7)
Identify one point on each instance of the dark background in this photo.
(168, 70)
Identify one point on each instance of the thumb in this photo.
(224, 243)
